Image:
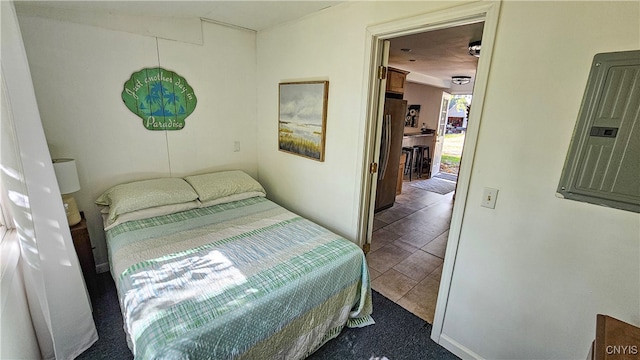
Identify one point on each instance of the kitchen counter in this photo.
(405, 136)
(409, 140)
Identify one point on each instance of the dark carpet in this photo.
(435, 184)
(397, 334)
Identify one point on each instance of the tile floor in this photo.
(407, 249)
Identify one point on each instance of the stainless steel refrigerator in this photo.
(390, 151)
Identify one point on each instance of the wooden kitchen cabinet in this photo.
(403, 161)
(84, 251)
(396, 79)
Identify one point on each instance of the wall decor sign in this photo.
(160, 97)
(413, 112)
(302, 118)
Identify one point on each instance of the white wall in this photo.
(531, 274)
(79, 72)
(329, 45)
(429, 98)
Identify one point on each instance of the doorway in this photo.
(410, 237)
(453, 144)
(457, 16)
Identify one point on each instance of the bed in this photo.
(206, 267)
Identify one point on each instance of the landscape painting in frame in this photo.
(302, 118)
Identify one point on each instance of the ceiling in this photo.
(254, 15)
(436, 56)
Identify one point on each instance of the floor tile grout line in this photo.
(411, 253)
(394, 268)
(408, 291)
(392, 242)
(422, 208)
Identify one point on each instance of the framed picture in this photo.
(302, 118)
(413, 112)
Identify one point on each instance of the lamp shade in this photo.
(67, 175)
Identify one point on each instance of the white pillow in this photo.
(138, 195)
(230, 198)
(222, 184)
(148, 213)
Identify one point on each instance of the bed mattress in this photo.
(246, 279)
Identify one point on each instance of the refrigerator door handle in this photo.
(385, 146)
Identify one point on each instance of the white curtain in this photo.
(6, 221)
(6, 218)
(50, 284)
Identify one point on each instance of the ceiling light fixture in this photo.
(474, 48)
(460, 80)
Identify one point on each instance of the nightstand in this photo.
(82, 244)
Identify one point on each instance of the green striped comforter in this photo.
(246, 279)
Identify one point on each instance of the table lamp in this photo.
(67, 176)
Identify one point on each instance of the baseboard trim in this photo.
(102, 268)
(457, 349)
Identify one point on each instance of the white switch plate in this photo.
(489, 198)
(236, 146)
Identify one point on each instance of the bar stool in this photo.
(408, 166)
(418, 155)
(421, 160)
(427, 161)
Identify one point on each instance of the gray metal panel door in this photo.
(603, 164)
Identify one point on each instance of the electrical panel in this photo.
(603, 162)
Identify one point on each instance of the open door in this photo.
(488, 12)
(440, 131)
(382, 52)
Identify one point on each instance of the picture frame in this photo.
(302, 118)
(413, 113)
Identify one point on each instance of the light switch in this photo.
(489, 198)
(236, 146)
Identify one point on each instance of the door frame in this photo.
(441, 130)
(487, 11)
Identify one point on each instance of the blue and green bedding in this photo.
(246, 279)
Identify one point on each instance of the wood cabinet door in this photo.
(395, 80)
